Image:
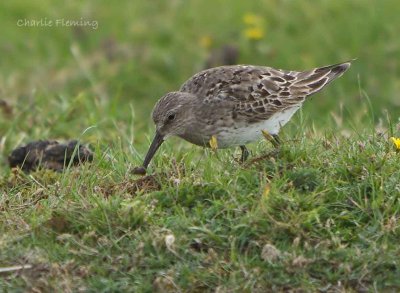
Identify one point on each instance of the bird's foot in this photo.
(245, 154)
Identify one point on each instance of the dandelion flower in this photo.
(252, 19)
(266, 191)
(266, 135)
(213, 142)
(205, 42)
(254, 33)
(254, 29)
(396, 142)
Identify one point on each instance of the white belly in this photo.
(246, 134)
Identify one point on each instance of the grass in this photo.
(319, 214)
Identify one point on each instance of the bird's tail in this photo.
(312, 81)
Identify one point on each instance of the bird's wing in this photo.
(259, 92)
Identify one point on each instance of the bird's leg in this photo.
(276, 141)
(245, 153)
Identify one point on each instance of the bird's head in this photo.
(171, 115)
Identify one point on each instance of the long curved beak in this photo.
(157, 141)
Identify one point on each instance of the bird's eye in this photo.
(171, 117)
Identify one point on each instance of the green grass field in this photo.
(321, 213)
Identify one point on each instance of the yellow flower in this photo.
(266, 135)
(213, 142)
(254, 29)
(396, 142)
(205, 41)
(254, 33)
(266, 191)
(252, 19)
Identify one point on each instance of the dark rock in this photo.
(49, 154)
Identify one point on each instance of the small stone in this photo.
(169, 242)
(270, 253)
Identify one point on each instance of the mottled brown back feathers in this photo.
(259, 91)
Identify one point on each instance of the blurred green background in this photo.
(56, 81)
